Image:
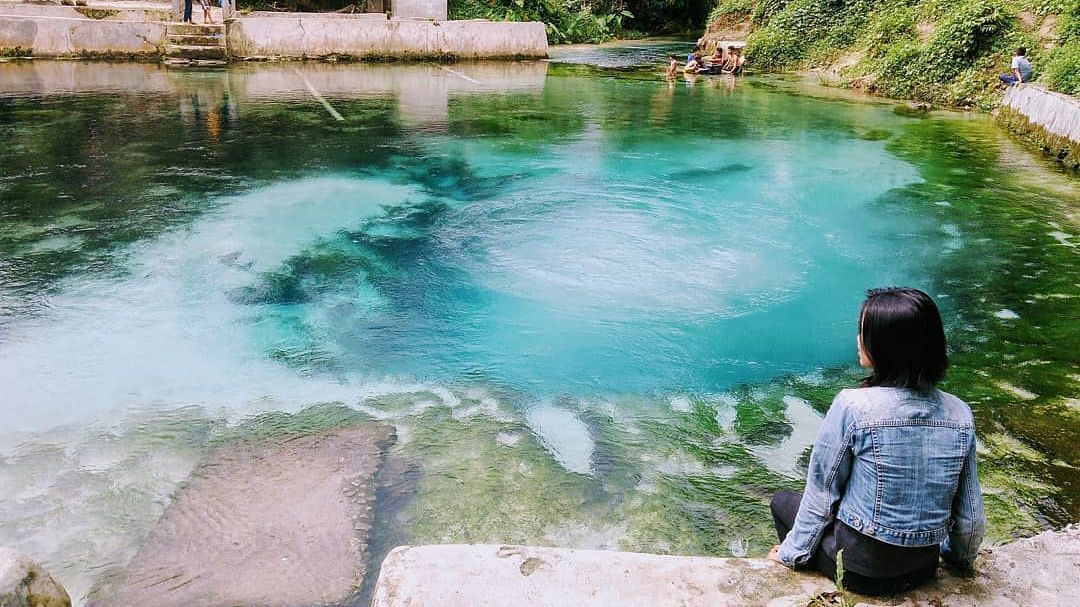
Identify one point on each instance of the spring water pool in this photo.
(603, 310)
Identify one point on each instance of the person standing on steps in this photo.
(206, 8)
(1021, 69)
(187, 11)
(892, 478)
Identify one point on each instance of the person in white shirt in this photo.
(1021, 69)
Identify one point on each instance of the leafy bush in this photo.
(891, 24)
(1063, 70)
(588, 20)
(970, 30)
(1069, 24)
(739, 8)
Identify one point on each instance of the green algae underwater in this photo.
(602, 310)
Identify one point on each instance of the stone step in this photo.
(195, 40)
(176, 62)
(195, 52)
(194, 29)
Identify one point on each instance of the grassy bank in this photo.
(929, 50)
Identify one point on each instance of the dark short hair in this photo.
(1021, 51)
(671, 56)
(903, 336)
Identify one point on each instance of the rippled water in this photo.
(603, 310)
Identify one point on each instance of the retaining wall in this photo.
(1049, 120)
(111, 13)
(419, 9)
(316, 37)
(1057, 113)
(81, 37)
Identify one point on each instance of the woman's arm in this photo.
(969, 520)
(830, 466)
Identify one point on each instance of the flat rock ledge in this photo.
(1041, 570)
(281, 523)
(24, 583)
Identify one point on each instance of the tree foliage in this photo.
(590, 20)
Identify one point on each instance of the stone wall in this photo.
(1049, 120)
(1057, 113)
(112, 13)
(419, 9)
(63, 37)
(312, 37)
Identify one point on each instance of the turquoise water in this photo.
(602, 309)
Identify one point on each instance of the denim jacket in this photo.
(898, 466)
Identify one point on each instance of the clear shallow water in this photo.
(615, 306)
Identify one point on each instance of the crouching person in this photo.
(1021, 69)
(892, 478)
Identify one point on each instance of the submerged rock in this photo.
(1035, 571)
(265, 523)
(24, 583)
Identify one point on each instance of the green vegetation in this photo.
(931, 50)
(590, 20)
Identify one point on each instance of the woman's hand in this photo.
(774, 554)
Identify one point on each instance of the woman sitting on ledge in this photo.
(892, 479)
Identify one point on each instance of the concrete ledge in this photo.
(62, 37)
(81, 12)
(1035, 571)
(315, 37)
(1057, 113)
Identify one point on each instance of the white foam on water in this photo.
(680, 404)
(738, 547)
(1063, 238)
(563, 435)
(508, 439)
(725, 410)
(1006, 314)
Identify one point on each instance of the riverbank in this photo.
(924, 52)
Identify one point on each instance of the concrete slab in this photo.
(1059, 114)
(63, 37)
(312, 37)
(267, 524)
(1027, 572)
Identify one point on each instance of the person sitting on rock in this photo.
(1021, 69)
(892, 477)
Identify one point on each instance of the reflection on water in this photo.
(601, 309)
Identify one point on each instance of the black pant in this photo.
(187, 11)
(870, 566)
